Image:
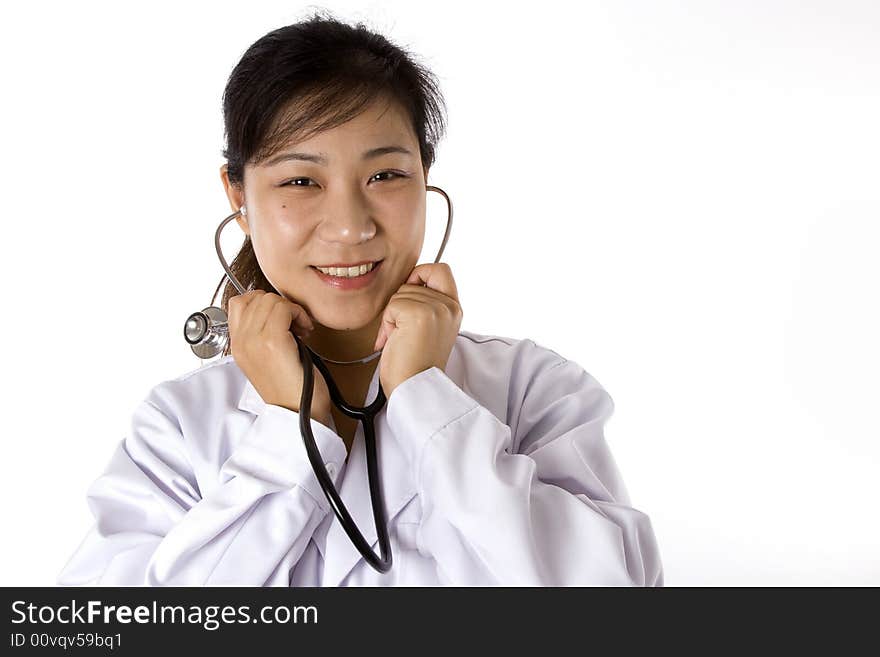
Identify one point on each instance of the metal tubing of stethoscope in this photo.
(232, 277)
(383, 563)
(356, 412)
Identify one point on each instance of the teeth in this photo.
(347, 272)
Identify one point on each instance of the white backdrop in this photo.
(682, 197)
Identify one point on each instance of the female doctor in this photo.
(494, 465)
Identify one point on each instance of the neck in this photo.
(345, 344)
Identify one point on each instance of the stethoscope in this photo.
(207, 332)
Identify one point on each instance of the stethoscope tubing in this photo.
(364, 414)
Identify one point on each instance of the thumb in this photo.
(380, 338)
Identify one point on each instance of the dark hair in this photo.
(312, 76)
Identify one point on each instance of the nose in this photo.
(346, 219)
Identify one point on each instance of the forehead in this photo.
(383, 119)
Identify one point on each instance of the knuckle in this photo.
(426, 317)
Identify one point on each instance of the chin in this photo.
(343, 319)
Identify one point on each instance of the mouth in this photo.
(346, 277)
(347, 266)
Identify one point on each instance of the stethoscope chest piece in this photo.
(207, 332)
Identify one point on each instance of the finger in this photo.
(385, 327)
(436, 276)
(281, 319)
(382, 335)
(427, 296)
(258, 311)
(380, 338)
(397, 309)
(301, 318)
(422, 292)
(385, 330)
(286, 315)
(238, 305)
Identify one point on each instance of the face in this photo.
(349, 206)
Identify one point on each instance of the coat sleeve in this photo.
(153, 527)
(542, 504)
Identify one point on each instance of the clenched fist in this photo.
(261, 327)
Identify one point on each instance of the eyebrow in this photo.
(322, 159)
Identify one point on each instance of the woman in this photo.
(493, 460)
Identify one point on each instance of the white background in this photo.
(682, 197)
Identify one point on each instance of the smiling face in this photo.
(350, 194)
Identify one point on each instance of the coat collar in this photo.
(398, 486)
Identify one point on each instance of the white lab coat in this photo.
(495, 472)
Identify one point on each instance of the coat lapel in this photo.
(339, 553)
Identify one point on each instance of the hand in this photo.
(264, 348)
(419, 325)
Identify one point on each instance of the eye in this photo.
(393, 173)
(294, 180)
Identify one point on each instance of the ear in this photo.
(236, 198)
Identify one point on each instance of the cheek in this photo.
(280, 234)
(278, 246)
(405, 233)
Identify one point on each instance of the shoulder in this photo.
(518, 359)
(514, 377)
(214, 387)
(199, 412)
(503, 350)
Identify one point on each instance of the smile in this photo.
(347, 271)
(348, 278)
